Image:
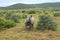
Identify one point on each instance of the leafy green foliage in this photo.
(6, 24)
(46, 23)
(9, 24)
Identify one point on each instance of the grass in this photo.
(19, 32)
(57, 20)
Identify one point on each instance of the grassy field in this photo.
(19, 32)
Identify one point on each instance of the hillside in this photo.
(24, 6)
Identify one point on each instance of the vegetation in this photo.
(6, 24)
(24, 16)
(13, 17)
(32, 12)
(46, 23)
(11, 30)
(57, 14)
(23, 11)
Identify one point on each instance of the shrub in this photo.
(2, 24)
(31, 12)
(16, 18)
(13, 17)
(1, 15)
(57, 14)
(8, 15)
(46, 23)
(24, 16)
(9, 24)
(6, 24)
(23, 11)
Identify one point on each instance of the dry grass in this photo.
(21, 34)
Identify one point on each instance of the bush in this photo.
(57, 14)
(9, 24)
(31, 12)
(8, 15)
(1, 14)
(6, 24)
(46, 23)
(23, 11)
(14, 17)
(2, 24)
(24, 16)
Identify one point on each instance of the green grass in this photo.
(57, 20)
(58, 27)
